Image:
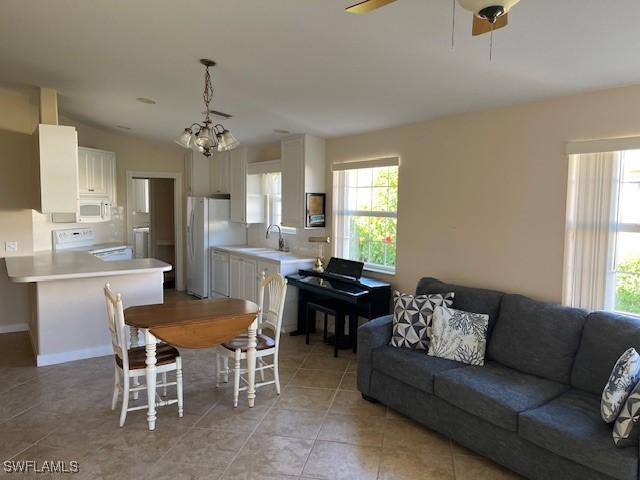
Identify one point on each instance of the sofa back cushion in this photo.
(537, 338)
(606, 336)
(468, 299)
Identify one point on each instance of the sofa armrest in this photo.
(371, 335)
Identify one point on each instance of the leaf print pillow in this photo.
(624, 376)
(458, 335)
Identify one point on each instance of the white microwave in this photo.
(92, 210)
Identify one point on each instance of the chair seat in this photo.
(264, 342)
(165, 354)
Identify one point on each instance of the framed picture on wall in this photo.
(315, 213)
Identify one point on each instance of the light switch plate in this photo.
(10, 246)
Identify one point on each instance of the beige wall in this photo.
(18, 188)
(17, 197)
(482, 195)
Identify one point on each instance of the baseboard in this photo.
(14, 327)
(55, 358)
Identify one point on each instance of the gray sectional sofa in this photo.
(534, 406)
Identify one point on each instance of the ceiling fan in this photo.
(488, 15)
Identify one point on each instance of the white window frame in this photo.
(620, 227)
(339, 213)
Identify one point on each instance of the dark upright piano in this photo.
(342, 288)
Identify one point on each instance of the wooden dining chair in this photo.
(130, 362)
(269, 316)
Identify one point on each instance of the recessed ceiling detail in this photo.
(148, 101)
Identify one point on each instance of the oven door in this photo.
(94, 210)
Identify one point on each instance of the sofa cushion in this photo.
(412, 367)
(476, 300)
(412, 318)
(570, 426)
(605, 337)
(494, 392)
(537, 338)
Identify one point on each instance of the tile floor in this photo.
(318, 428)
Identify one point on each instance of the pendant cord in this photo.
(491, 44)
(453, 26)
(208, 92)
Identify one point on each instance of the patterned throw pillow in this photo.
(412, 318)
(624, 376)
(458, 335)
(625, 430)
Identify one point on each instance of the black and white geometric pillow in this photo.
(624, 376)
(412, 318)
(625, 430)
(459, 336)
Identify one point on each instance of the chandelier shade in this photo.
(205, 137)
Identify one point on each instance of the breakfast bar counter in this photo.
(68, 310)
(50, 266)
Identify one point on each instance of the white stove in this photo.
(83, 239)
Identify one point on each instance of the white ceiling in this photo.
(306, 65)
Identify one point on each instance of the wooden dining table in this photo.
(192, 324)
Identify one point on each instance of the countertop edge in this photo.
(232, 251)
(71, 276)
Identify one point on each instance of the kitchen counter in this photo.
(266, 254)
(50, 266)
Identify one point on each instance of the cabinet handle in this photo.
(90, 189)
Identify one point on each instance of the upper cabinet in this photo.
(220, 172)
(241, 210)
(303, 171)
(97, 173)
(58, 158)
(198, 173)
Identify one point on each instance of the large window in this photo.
(626, 264)
(602, 250)
(366, 212)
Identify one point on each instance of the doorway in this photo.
(154, 220)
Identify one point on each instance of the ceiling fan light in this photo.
(185, 138)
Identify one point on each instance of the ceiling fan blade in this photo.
(481, 26)
(368, 6)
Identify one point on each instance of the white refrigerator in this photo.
(208, 225)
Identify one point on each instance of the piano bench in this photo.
(327, 310)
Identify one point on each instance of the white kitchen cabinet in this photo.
(236, 272)
(97, 173)
(220, 274)
(220, 172)
(238, 161)
(243, 278)
(58, 158)
(198, 174)
(303, 171)
(250, 279)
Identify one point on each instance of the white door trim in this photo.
(177, 215)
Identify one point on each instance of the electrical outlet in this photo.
(10, 246)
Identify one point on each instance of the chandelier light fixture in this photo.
(205, 137)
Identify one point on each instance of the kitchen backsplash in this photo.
(298, 243)
(106, 232)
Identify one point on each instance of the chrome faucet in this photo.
(280, 239)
